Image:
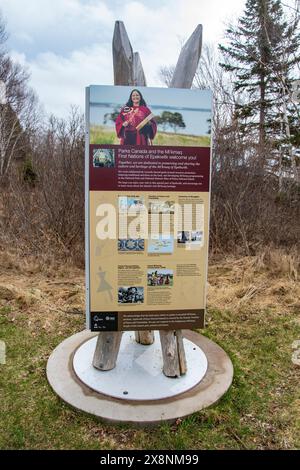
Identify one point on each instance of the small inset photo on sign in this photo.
(196, 241)
(183, 237)
(131, 295)
(196, 237)
(103, 158)
(160, 277)
(161, 245)
(190, 240)
(161, 207)
(127, 203)
(131, 245)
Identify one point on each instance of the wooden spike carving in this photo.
(122, 56)
(139, 78)
(188, 61)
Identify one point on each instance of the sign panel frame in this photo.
(114, 319)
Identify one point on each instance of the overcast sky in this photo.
(66, 44)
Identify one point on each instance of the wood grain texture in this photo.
(171, 367)
(139, 78)
(145, 337)
(122, 56)
(188, 61)
(107, 350)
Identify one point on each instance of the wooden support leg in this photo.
(173, 353)
(144, 337)
(107, 349)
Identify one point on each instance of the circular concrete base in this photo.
(71, 389)
(138, 373)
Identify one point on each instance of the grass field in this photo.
(253, 314)
(106, 135)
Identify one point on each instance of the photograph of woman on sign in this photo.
(135, 125)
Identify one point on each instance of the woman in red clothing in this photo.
(135, 124)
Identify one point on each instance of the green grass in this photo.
(260, 410)
(105, 135)
(181, 140)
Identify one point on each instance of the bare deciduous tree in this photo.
(18, 109)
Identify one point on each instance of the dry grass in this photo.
(266, 281)
(248, 284)
(42, 289)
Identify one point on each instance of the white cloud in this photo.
(61, 81)
(66, 44)
(38, 15)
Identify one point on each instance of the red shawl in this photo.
(129, 135)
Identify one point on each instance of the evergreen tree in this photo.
(262, 53)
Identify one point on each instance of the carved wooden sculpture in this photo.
(128, 70)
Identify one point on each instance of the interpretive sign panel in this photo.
(147, 207)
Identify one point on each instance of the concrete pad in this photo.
(67, 385)
(138, 373)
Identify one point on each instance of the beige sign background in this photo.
(111, 269)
